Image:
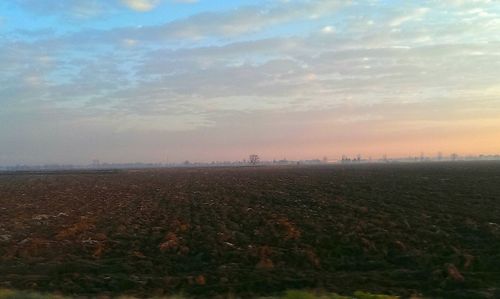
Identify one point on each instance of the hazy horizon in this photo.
(142, 80)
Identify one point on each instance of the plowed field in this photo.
(430, 228)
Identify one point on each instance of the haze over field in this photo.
(137, 80)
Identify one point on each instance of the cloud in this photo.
(468, 2)
(226, 81)
(73, 8)
(83, 8)
(328, 29)
(242, 20)
(141, 5)
(414, 15)
(202, 26)
(128, 42)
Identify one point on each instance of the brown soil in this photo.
(399, 229)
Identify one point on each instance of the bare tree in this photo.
(253, 159)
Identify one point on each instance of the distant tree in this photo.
(253, 159)
(439, 156)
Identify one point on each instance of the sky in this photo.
(213, 80)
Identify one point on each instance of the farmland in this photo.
(429, 228)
